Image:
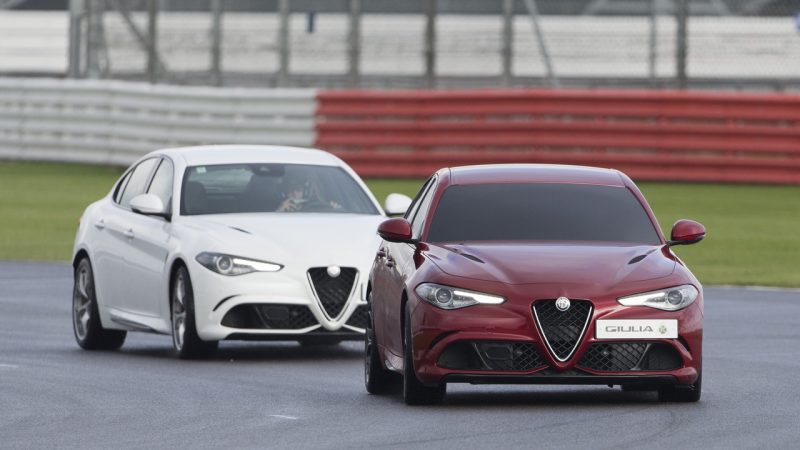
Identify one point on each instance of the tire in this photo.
(377, 379)
(681, 393)
(414, 392)
(185, 341)
(89, 332)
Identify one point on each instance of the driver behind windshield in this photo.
(303, 195)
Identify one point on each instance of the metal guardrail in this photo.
(730, 53)
(650, 135)
(112, 122)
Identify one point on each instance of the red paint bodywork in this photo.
(523, 272)
(687, 232)
(395, 230)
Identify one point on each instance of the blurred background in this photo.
(719, 44)
(695, 99)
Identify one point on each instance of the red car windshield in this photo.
(541, 212)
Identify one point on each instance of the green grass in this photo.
(40, 205)
(753, 231)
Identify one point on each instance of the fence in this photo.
(668, 135)
(727, 44)
(649, 135)
(112, 122)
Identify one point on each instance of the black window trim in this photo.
(429, 193)
(414, 206)
(153, 177)
(121, 185)
(149, 177)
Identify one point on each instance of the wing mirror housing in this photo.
(396, 204)
(149, 205)
(395, 230)
(686, 232)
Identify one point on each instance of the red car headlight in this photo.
(670, 299)
(447, 297)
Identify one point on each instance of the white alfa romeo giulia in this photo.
(228, 242)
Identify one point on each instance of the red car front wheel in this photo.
(414, 392)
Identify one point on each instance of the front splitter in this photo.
(558, 378)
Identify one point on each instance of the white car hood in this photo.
(306, 239)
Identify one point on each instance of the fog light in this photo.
(498, 352)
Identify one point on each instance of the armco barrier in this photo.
(110, 122)
(651, 135)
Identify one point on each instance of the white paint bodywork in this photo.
(133, 255)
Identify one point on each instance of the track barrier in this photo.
(650, 135)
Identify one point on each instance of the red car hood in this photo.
(574, 263)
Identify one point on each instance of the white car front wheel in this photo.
(185, 341)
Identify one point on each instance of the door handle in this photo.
(128, 233)
(100, 224)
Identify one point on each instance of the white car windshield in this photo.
(281, 188)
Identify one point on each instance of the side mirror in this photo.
(686, 232)
(395, 230)
(396, 204)
(149, 205)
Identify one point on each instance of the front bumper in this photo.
(574, 377)
(345, 335)
(434, 331)
(218, 299)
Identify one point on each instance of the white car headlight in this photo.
(670, 299)
(446, 297)
(234, 265)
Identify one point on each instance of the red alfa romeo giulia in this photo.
(533, 274)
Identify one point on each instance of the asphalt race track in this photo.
(276, 395)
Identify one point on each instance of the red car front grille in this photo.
(562, 330)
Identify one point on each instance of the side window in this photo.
(161, 186)
(137, 182)
(419, 218)
(121, 186)
(412, 209)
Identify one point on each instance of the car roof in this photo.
(232, 154)
(534, 173)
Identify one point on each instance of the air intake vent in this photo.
(360, 317)
(496, 356)
(269, 317)
(562, 330)
(630, 356)
(332, 292)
